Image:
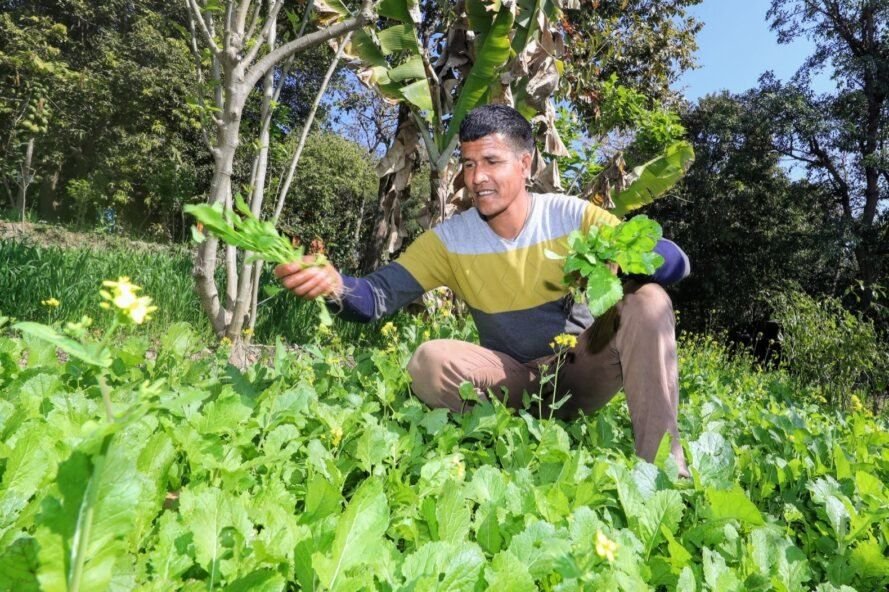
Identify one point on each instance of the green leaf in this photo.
(82, 534)
(718, 575)
(603, 290)
(418, 94)
(28, 466)
(398, 38)
(179, 340)
(713, 461)
(207, 512)
(397, 10)
(654, 178)
(96, 356)
(409, 70)
(444, 567)
(492, 52)
(359, 532)
(19, 565)
(452, 515)
(662, 511)
(539, 547)
(733, 504)
(506, 572)
(364, 46)
(169, 558)
(260, 580)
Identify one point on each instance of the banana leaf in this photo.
(397, 10)
(491, 55)
(399, 38)
(654, 178)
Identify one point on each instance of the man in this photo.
(492, 257)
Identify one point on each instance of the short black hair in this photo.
(498, 119)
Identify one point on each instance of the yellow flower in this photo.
(605, 547)
(247, 332)
(856, 403)
(50, 302)
(122, 295)
(565, 340)
(389, 330)
(336, 435)
(225, 341)
(458, 467)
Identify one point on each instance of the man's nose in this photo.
(479, 176)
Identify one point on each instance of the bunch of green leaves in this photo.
(258, 238)
(591, 256)
(247, 232)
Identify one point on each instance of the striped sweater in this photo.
(515, 293)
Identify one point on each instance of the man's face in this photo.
(494, 173)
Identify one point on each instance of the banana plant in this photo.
(439, 61)
(621, 191)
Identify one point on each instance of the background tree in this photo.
(236, 48)
(122, 141)
(841, 138)
(749, 229)
(645, 44)
(31, 68)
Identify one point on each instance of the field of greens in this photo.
(316, 469)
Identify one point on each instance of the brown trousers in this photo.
(640, 356)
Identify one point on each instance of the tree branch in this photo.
(258, 70)
(270, 23)
(241, 19)
(196, 11)
(200, 74)
(285, 187)
(254, 19)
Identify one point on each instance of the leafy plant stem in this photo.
(106, 396)
(84, 528)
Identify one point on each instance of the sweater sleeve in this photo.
(376, 295)
(676, 265)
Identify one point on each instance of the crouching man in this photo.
(492, 257)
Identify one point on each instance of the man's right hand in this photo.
(310, 281)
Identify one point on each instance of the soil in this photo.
(52, 235)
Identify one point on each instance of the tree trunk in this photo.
(25, 181)
(47, 204)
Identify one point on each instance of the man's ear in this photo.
(526, 160)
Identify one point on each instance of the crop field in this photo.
(166, 468)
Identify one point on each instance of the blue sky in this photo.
(736, 46)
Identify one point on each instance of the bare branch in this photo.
(196, 12)
(254, 20)
(285, 187)
(309, 41)
(241, 19)
(195, 52)
(270, 24)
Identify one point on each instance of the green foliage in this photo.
(244, 231)
(320, 471)
(257, 238)
(647, 44)
(623, 109)
(335, 184)
(629, 245)
(831, 348)
(654, 178)
(723, 214)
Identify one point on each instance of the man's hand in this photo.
(310, 281)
